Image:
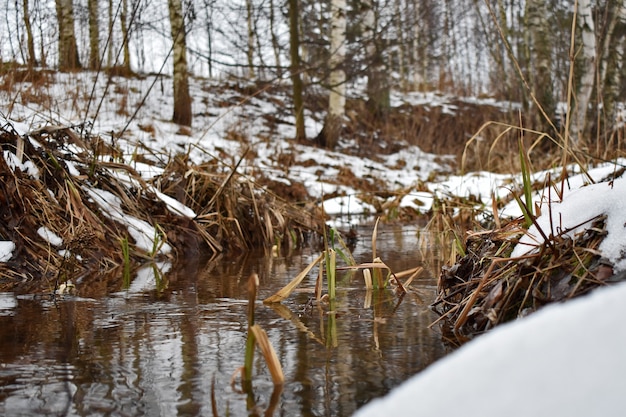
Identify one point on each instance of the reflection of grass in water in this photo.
(126, 258)
(327, 304)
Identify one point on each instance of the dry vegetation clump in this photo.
(70, 205)
(440, 129)
(233, 214)
(484, 287)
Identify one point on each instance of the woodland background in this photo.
(549, 56)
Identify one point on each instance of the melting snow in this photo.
(6, 250)
(49, 236)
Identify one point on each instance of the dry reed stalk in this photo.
(284, 292)
(271, 359)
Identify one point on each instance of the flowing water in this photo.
(174, 336)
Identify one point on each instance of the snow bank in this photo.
(565, 360)
(575, 213)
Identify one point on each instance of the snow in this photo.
(6, 250)
(27, 166)
(564, 360)
(344, 206)
(49, 236)
(576, 212)
(141, 231)
(173, 205)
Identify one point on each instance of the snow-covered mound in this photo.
(565, 360)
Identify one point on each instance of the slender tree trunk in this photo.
(275, 44)
(588, 70)
(68, 51)
(378, 102)
(249, 17)
(94, 34)
(208, 9)
(294, 47)
(182, 99)
(30, 42)
(420, 50)
(540, 61)
(125, 37)
(110, 26)
(611, 53)
(398, 17)
(329, 136)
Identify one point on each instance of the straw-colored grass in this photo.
(234, 213)
(485, 287)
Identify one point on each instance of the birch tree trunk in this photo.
(611, 54)
(420, 50)
(182, 99)
(296, 80)
(588, 70)
(398, 17)
(68, 51)
(94, 34)
(329, 136)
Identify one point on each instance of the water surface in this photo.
(158, 347)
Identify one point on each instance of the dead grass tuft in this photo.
(484, 287)
(47, 181)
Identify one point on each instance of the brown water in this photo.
(156, 348)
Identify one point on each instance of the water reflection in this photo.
(156, 348)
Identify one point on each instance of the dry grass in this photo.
(485, 287)
(233, 212)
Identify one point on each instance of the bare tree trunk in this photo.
(378, 102)
(275, 44)
(110, 46)
(208, 9)
(94, 34)
(68, 51)
(182, 99)
(249, 9)
(588, 70)
(329, 136)
(398, 17)
(294, 46)
(611, 52)
(125, 38)
(30, 42)
(540, 61)
(420, 47)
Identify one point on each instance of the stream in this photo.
(172, 342)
